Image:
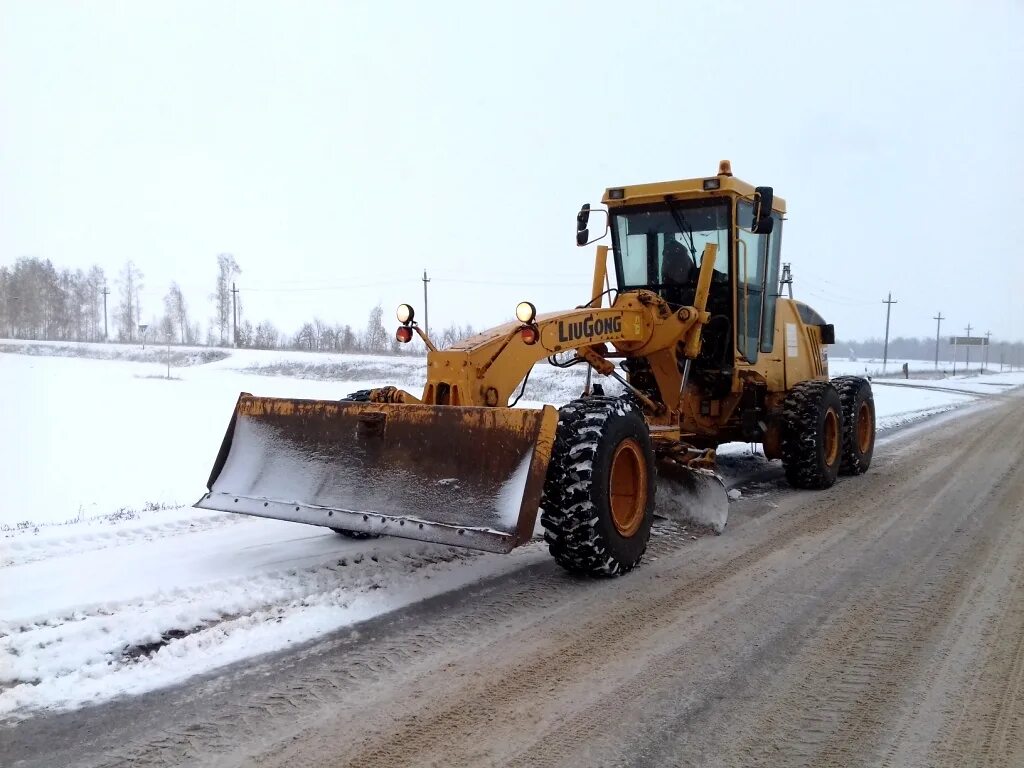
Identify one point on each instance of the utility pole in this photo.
(234, 310)
(888, 309)
(106, 292)
(787, 280)
(988, 340)
(938, 325)
(967, 365)
(426, 313)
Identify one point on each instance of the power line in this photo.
(833, 300)
(445, 281)
(837, 296)
(516, 283)
(346, 287)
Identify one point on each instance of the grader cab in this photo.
(684, 315)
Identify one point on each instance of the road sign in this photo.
(968, 341)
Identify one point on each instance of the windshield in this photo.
(652, 246)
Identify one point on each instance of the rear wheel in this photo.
(858, 423)
(812, 435)
(598, 502)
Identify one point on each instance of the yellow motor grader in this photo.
(687, 320)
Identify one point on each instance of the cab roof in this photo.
(683, 189)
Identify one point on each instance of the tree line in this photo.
(41, 302)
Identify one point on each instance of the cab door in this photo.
(757, 278)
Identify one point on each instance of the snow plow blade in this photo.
(465, 476)
(691, 495)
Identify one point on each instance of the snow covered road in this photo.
(91, 616)
(136, 593)
(876, 623)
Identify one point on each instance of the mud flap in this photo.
(691, 495)
(469, 477)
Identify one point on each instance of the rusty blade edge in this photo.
(406, 527)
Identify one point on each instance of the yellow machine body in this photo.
(455, 464)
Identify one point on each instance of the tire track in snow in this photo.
(105, 639)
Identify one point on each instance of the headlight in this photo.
(525, 312)
(405, 314)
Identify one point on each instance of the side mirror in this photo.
(582, 219)
(582, 233)
(763, 221)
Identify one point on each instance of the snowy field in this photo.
(110, 583)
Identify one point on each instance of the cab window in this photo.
(750, 263)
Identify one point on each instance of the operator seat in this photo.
(678, 274)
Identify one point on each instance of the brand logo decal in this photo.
(588, 327)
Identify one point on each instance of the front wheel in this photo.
(598, 501)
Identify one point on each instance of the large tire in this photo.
(812, 428)
(360, 396)
(858, 423)
(598, 502)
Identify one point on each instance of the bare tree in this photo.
(96, 282)
(246, 334)
(177, 311)
(129, 304)
(227, 271)
(375, 339)
(168, 329)
(454, 334)
(306, 337)
(266, 336)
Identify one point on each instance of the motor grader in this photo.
(684, 320)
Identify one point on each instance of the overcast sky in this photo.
(338, 149)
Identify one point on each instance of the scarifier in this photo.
(704, 348)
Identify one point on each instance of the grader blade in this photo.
(691, 495)
(469, 477)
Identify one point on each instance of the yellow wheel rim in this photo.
(832, 437)
(628, 487)
(865, 427)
